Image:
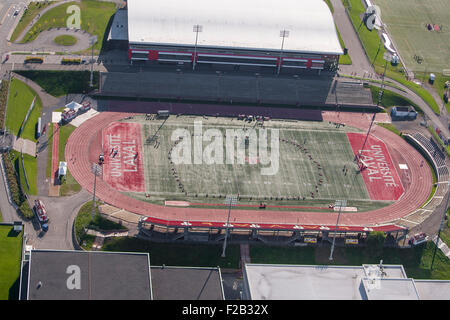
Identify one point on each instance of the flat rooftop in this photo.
(298, 282)
(88, 275)
(182, 283)
(250, 24)
(433, 289)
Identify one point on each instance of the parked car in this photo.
(418, 238)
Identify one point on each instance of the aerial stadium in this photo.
(324, 156)
(316, 167)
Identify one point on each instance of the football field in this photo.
(407, 21)
(310, 165)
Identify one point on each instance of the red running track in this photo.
(417, 183)
(55, 152)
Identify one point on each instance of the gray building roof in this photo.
(183, 283)
(88, 275)
(367, 282)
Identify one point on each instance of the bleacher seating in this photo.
(435, 151)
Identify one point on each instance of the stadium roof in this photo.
(249, 24)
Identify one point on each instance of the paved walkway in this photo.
(360, 64)
(25, 146)
(38, 16)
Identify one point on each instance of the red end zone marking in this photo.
(380, 177)
(123, 166)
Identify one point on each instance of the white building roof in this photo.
(249, 24)
(303, 282)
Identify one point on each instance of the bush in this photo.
(17, 194)
(34, 60)
(375, 242)
(3, 99)
(70, 61)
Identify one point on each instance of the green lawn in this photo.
(438, 85)
(445, 233)
(176, 254)
(20, 99)
(30, 13)
(70, 185)
(95, 16)
(30, 164)
(390, 127)
(84, 219)
(60, 83)
(375, 51)
(345, 58)
(390, 99)
(65, 40)
(10, 258)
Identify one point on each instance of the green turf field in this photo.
(406, 21)
(296, 177)
(10, 256)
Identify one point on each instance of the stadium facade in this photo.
(298, 34)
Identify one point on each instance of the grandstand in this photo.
(233, 33)
(432, 151)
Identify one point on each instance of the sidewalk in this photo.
(443, 246)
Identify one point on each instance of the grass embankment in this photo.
(84, 220)
(30, 166)
(391, 99)
(416, 261)
(375, 51)
(29, 14)
(17, 193)
(95, 16)
(20, 98)
(438, 85)
(438, 139)
(445, 233)
(60, 83)
(70, 185)
(176, 254)
(10, 258)
(65, 40)
(4, 88)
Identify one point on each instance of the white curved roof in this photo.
(251, 24)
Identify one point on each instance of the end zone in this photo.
(380, 176)
(123, 166)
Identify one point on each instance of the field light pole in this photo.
(96, 170)
(283, 34)
(387, 57)
(230, 201)
(197, 28)
(340, 204)
(441, 226)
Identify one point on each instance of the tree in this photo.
(375, 242)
